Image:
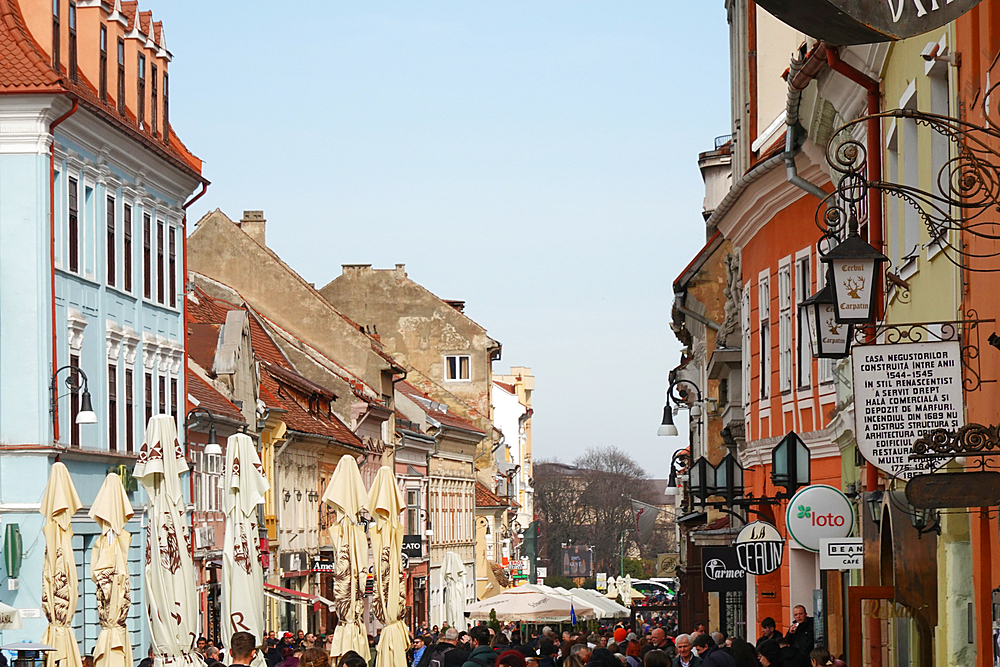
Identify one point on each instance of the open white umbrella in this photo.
(453, 574)
(242, 574)
(109, 571)
(525, 605)
(171, 594)
(385, 502)
(59, 581)
(346, 495)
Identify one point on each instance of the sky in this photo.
(536, 159)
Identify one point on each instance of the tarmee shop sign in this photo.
(866, 21)
(902, 392)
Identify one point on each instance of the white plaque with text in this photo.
(902, 392)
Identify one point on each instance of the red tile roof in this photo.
(129, 8)
(298, 418)
(157, 32)
(206, 309)
(508, 387)
(486, 498)
(445, 416)
(24, 67)
(145, 18)
(210, 398)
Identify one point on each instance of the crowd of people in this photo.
(657, 642)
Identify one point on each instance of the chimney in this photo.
(252, 224)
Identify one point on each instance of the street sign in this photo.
(667, 564)
(818, 511)
(902, 392)
(602, 581)
(954, 489)
(760, 548)
(541, 572)
(841, 553)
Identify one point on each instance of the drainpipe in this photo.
(679, 299)
(873, 145)
(52, 254)
(184, 315)
(801, 71)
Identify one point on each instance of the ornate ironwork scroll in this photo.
(965, 193)
(968, 440)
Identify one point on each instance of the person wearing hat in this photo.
(620, 634)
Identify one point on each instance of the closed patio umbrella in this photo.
(59, 580)
(346, 495)
(389, 601)
(453, 574)
(109, 571)
(242, 574)
(171, 596)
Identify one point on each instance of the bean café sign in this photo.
(902, 392)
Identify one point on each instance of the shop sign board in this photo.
(721, 571)
(602, 581)
(818, 511)
(902, 392)
(760, 548)
(841, 553)
(413, 546)
(866, 21)
(667, 564)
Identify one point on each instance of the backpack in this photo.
(437, 657)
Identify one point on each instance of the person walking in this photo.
(445, 653)
(482, 653)
(711, 654)
(685, 658)
(242, 649)
(768, 630)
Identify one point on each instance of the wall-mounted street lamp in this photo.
(313, 496)
(212, 447)
(679, 395)
(679, 463)
(854, 267)
(428, 531)
(790, 463)
(288, 496)
(86, 413)
(298, 496)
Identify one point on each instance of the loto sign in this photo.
(841, 553)
(818, 511)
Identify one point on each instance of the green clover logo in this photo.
(804, 512)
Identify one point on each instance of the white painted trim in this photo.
(75, 324)
(764, 137)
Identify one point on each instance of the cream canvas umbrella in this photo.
(389, 602)
(171, 595)
(109, 572)
(59, 581)
(346, 495)
(242, 574)
(453, 573)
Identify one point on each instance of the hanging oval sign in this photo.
(866, 21)
(818, 511)
(760, 548)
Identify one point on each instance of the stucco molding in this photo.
(130, 342)
(24, 124)
(115, 336)
(75, 324)
(822, 444)
(149, 351)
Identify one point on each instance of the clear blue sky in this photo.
(537, 159)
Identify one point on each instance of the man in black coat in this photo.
(451, 655)
(710, 653)
(800, 634)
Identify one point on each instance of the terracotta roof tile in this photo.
(129, 8)
(445, 416)
(299, 419)
(509, 388)
(210, 398)
(486, 498)
(145, 18)
(157, 31)
(24, 65)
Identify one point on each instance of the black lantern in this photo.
(729, 479)
(874, 503)
(667, 425)
(702, 480)
(854, 267)
(829, 338)
(925, 521)
(790, 463)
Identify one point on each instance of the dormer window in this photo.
(72, 40)
(140, 107)
(56, 45)
(102, 76)
(152, 98)
(166, 109)
(121, 76)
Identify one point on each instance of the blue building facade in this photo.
(92, 189)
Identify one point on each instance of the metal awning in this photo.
(292, 596)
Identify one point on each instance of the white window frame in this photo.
(764, 333)
(803, 290)
(745, 352)
(785, 367)
(458, 368)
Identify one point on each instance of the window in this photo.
(785, 327)
(172, 268)
(140, 107)
(174, 398)
(56, 45)
(152, 98)
(162, 387)
(457, 367)
(112, 246)
(129, 412)
(102, 75)
(72, 40)
(127, 246)
(160, 286)
(74, 405)
(121, 76)
(745, 347)
(825, 365)
(113, 407)
(149, 396)
(147, 249)
(74, 227)
(764, 319)
(166, 114)
(803, 289)
(413, 512)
